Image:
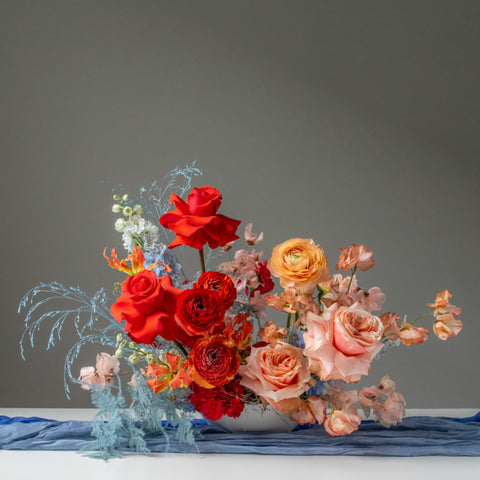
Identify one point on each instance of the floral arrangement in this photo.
(204, 344)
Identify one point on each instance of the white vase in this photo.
(258, 418)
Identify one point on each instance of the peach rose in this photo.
(298, 262)
(342, 422)
(341, 343)
(276, 372)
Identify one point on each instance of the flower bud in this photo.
(134, 358)
(119, 338)
(116, 198)
(116, 208)
(125, 197)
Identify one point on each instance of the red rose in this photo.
(199, 311)
(214, 361)
(219, 283)
(148, 306)
(214, 403)
(195, 222)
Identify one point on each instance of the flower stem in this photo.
(420, 317)
(202, 259)
(351, 279)
(181, 347)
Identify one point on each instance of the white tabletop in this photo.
(20, 465)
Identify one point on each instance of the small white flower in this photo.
(120, 224)
(127, 211)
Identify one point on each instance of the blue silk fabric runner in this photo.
(416, 436)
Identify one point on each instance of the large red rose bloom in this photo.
(148, 306)
(196, 222)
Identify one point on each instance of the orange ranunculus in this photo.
(298, 262)
(196, 222)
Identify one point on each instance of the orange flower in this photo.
(298, 262)
(410, 335)
(355, 256)
(174, 373)
(442, 304)
(446, 326)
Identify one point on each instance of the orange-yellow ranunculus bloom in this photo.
(298, 262)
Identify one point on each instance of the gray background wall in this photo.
(344, 121)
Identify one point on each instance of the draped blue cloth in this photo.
(416, 436)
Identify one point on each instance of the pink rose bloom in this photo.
(276, 372)
(342, 422)
(391, 329)
(446, 326)
(355, 256)
(410, 335)
(341, 343)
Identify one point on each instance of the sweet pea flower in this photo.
(252, 238)
(355, 256)
(442, 304)
(391, 329)
(392, 411)
(342, 422)
(410, 335)
(100, 376)
(446, 326)
(310, 411)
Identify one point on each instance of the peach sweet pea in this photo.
(276, 372)
(342, 422)
(410, 335)
(298, 262)
(446, 326)
(355, 256)
(341, 343)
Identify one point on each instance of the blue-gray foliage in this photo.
(119, 425)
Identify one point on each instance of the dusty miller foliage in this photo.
(117, 427)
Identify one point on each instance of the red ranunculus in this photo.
(148, 306)
(214, 361)
(196, 222)
(214, 403)
(199, 311)
(219, 283)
